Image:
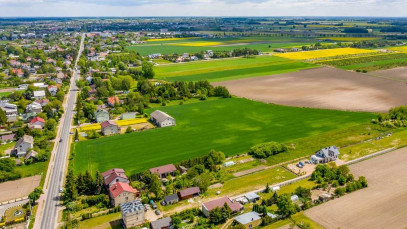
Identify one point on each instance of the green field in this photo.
(229, 125)
(229, 69)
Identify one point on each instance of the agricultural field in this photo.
(381, 205)
(399, 48)
(324, 53)
(399, 74)
(325, 87)
(127, 122)
(193, 45)
(204, 126)
(228, 69)
(351, 39)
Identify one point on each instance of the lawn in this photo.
(33, 169)
(229, 69)
(103, 222)
(228, 125)
(9, 214)
(298, 218)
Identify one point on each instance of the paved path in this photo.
(48, 211)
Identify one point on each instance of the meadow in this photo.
(324, 53)
(228, 125)
(228, 69)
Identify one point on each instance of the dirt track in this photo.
(12, 190)
(323, 88)
(381, 205)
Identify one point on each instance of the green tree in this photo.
(3, 117)
(61, 96)
(98, 183)
(35, 195)
(285, 206)
(155, 185)
(70, 192)
(148, 70)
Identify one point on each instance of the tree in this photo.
(60, 96)
(155, 185)
(285, 206)
(98, 183)
(70, 192)
(3, 117)
(267, 190)
(76, 134)
(148, 70)
(203, 181)
(35, 195)
(303, 192)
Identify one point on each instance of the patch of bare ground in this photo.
(399, 74)
(12, 190)
(381, 205)
(324, 87)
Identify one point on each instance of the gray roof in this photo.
(164, 222)
(160, 116)
(26, 138)
(131, 206)
(171, 198)
(332, 149)
(252, 196)
(247, 218)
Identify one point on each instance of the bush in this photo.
(268, 149)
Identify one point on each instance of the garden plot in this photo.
(324, 87)
(381, 205)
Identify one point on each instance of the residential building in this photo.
(101, 115)
(171, 199)
(219, 203)
(109, 128)
(8, 137)
(39, 94)
(121, 193)
(189, 193)
(325, 155)
(112, 176)
(23, 145)
(162, 119)
(252, 197)
(53, 90)
(31, 155)
(37, 123)
(111, 101)
(11, 111)
(133, 213)
(164, 171)
(128, 115)
(248, 220)
(164, 223)
(33, 107)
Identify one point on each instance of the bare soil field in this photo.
(324, 87)
(12, 190)
(381, 205)
(399, 74)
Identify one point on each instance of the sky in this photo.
(124, 8)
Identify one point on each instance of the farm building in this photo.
(171, 199)
(101, 115)
(112, 176)
(219, 203)
(109, 128)
(162, 119)
(164, 223)
(121, 193)
(325, 155)
(252, 197)
(23, 145)
(164, 171)
(133, 213)
(189, 193)
(248, 220)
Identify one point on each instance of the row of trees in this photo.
(82, 184)
(268, 149)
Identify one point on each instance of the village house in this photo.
(325, 155)
(10, 109)
(33, 107)
(248, 220)
(219, 203)
(31, 155)
(101, 115)
(53, 90)
(8, 138)
(133, 213)
(39, 94)
(164, 171)
(121, 193)
(37, 123)
(23, 145)
(42, 102)
(112, 176)
(109, 128)
(171, 199)
(189, 193)
(164, 223)
(111, 101)
(162, 119)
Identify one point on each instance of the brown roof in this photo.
(163, 169)
(107, 123)
(234, 206)
(110, 171)
(114, 176)
(189, 191)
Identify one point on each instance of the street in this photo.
(49, 214)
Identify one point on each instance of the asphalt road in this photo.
(50, 213)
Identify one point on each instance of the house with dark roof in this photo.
(112, 176)
(248, 220)
(171, 199)
(109, 128)
(219, 203)
(164, 223)
(23, 145)
(189, 193)
(325, 155)
(133, 213)
(164, 171)
(162, 119)
(121, 193)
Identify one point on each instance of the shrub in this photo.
(268, 149)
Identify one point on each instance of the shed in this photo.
(171, 199)
(252, 197)
(275, 188)
(229, 163)
(189, 193)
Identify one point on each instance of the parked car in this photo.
(163, 203)
(157, 212)
(153, 204)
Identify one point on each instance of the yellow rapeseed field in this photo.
(168, 39)
(323, 53)
(125, 122)
(400, 48)
(200, 44)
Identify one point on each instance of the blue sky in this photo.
(379, 8)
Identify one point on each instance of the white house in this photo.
(33, 107)
(325, 155)
(39, 94)
(23, 145)
(162, 119)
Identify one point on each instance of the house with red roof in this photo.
(111, 101)
(109, 127)
(164, 171)
(219, 203)
(18, 72)
(121, 193)
(113, 176)
(37, 123)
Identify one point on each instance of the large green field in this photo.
(229, 125)
(229, 69)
